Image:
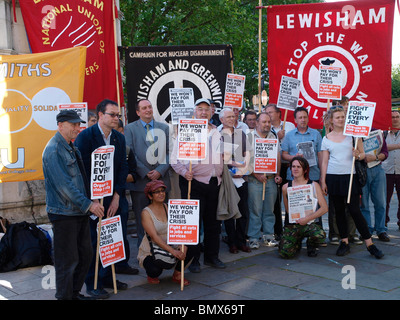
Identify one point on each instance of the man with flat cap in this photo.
(68, 207)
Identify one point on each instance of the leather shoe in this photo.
(80, 296)
(215, 263)
(233, 249)
(128, 270)
(194, 266)
(245, 248)
(120, 285)
(383, 237)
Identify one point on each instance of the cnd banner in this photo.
(354, 38)
(152, 71)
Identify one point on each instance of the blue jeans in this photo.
(261, 213)
(376, 188)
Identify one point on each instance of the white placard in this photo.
(182, 103)
(102, 175)
(183, 221)
(359, 117)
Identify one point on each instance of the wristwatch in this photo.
(376, 158)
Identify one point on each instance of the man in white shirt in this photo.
(391, 165)
(238, 124)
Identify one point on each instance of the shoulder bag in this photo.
(161, 257)
(361, 170)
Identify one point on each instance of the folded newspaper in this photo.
(301, 202)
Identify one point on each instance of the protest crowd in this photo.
(238, 204)
(127, 131)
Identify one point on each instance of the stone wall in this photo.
(19, 201)
(23, 201)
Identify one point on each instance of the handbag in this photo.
(361, 170)
(161, 257)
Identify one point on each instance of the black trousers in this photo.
(208, 196)
(154, 271)
(72, 254)
(340, 203)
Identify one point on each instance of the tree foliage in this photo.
(396, 81)
(201, 22)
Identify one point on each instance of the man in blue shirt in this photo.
(303, 141)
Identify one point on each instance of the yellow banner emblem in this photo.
(31, 87)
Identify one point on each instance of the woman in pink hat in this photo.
(155, 224)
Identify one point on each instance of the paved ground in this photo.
(259, 275)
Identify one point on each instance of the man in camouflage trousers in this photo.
(293, 236)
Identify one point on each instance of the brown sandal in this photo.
(178, 280)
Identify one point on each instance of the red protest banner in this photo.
(353, 35)
(59, 24)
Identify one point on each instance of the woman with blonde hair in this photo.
(337, 157)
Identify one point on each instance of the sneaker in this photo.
(373, 250)
(98, 293)
(323, 244)
(254, 244)
(269, 242)
(356, 240)
(334, 241)
(383, 237)
(343, 249)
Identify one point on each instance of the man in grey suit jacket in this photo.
(149, 141)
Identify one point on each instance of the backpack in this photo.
(24, 245)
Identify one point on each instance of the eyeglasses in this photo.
(158, 191)
(113, 115)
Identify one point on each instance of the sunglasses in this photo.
(158, 191)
